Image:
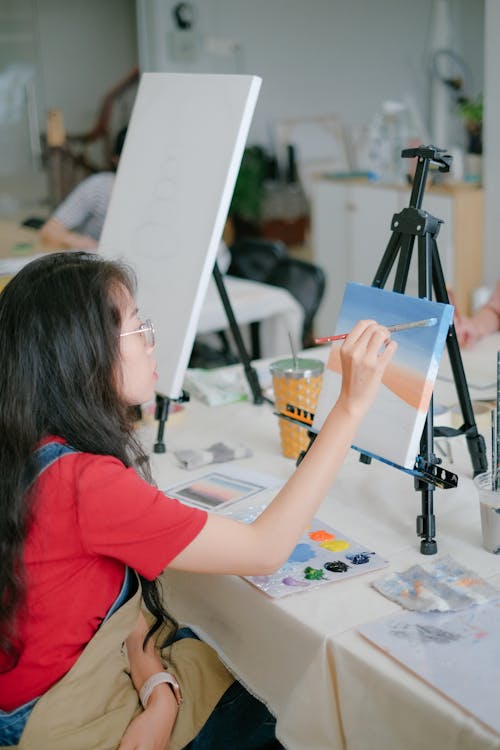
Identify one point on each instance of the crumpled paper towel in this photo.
(214, 454)
(443, 585)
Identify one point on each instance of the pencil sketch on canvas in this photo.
(392, 429)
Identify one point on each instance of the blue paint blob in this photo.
(302, 553)
(359, 558)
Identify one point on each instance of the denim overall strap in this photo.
(128, 589)
(45, 456)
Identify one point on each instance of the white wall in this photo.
(86, 46)
(319, 56)
(314, 56)
(341, 57)
(491, 158)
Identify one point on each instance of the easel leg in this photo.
(161, 414)
(250, 372)
(475, 442)
(426, 521)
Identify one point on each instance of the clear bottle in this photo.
(388, 137)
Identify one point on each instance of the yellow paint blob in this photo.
(335, 545)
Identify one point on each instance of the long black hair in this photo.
(60, 319)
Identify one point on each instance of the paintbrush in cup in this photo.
(294, 353)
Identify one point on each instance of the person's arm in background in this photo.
(485, 321)
(151, 729)
(78, 221)
(55, 235)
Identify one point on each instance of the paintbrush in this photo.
(496, 468)
(427, 323)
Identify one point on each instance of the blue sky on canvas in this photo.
(390, 308)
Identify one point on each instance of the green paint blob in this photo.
(313, 574)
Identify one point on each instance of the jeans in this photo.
(239, 720)
(12, 723)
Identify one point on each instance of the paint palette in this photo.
(322, 555)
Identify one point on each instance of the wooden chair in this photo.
(70, 157)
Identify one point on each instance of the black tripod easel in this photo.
(413, 222)
(163, 402)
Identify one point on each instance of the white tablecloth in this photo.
(278, 311)
(303, 655)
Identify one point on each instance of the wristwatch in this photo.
(157, 679)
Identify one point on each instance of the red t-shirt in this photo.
(92, 516)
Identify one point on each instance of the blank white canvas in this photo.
(173, 189)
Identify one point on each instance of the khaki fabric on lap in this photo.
(92, 705)
(203, 679)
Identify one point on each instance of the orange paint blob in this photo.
(335, 545)
(321, 535)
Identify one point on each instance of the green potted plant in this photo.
(471, 111)
(246, 203)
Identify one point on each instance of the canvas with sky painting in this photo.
(392, 429)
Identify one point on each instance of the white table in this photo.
(277, 310)
(303, 655)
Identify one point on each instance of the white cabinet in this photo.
(351, 227)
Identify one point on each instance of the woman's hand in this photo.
(466, 332)
(364, 355)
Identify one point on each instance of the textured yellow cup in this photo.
(296, 383)
(4, 280)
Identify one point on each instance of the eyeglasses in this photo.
(147, 330)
